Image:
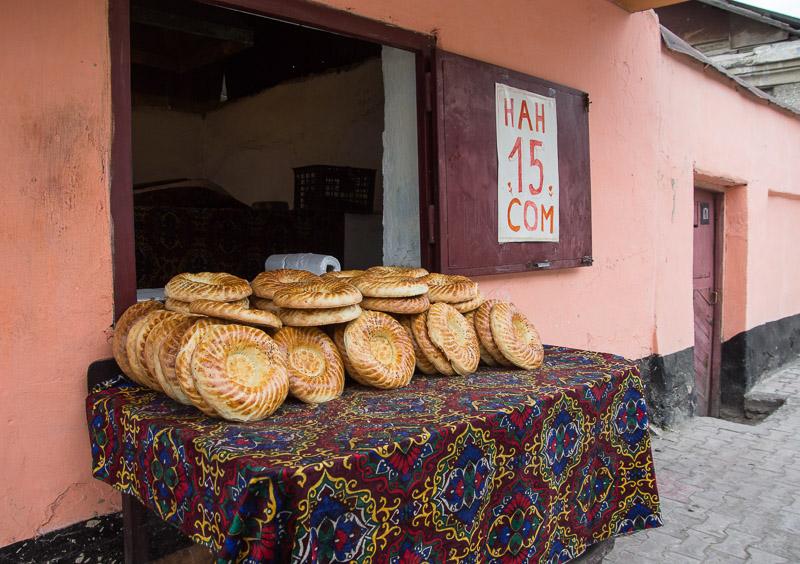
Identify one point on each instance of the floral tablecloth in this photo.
(500, 466)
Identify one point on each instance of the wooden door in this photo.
(705, 298)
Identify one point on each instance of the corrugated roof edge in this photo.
(775, 19)
(676, 44)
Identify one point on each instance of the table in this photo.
(504, 465)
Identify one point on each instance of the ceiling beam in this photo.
(642, 5)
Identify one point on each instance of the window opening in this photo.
(252, 136)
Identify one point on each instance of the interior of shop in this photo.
(253, 137)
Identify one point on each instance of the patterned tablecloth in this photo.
(500, 466)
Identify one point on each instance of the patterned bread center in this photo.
(381, 347)
(521, 330)
(307, 362)
(457, 329)
(244, 364)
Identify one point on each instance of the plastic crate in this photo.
(334, 188)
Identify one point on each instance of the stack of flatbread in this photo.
(303, 299)
(213, 346)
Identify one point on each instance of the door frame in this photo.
(301, 12)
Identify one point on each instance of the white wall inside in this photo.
(401, 245)
(250, 146)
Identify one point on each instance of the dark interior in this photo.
(192, 57)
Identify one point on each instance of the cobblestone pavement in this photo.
(730, 492)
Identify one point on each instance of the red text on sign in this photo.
(524, 115)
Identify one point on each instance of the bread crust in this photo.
(450, 288)
(516, 337)
(137, 339)
(152, 342)
(469, 305)
(338, 340)
(318, 295)
(240, 372)
(267, 283)
(483, 329)
(314, 366)
(342, 275)
(419, 327)
(403, 306)
(422, 363)
(167, 353)
(318, 317)
(264, 304)
(454, 336)
(380, 350)
(231, 312)
(407, 271)
(122, 329)
(183, 364)
(374, 285)
(486, 358)
(217, 286)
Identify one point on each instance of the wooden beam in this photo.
(642, 5)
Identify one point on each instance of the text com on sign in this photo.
(527, 166)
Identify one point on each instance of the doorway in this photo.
(706, 298)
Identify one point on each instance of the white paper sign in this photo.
(527, 166)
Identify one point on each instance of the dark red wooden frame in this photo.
(294, 11)
(467, 172)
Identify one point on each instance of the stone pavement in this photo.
(730, 492)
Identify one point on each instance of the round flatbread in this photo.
(267, 283)
(400, 271)
(318, 317)
(217, 286)
(318, 295)
(375, 285)
(403, 306)
(264, 304)
(183, 307)
(455, 337)
(469, 305)
(419, 327)
(338, 340)
(137, 337)
(152, 343)
(379, 350)
(240, 372)
(236, 313)
(423, 364)
(450, 288)
(123, 327)
(486, 358)
(483, 329)
(167, 354)
(183, 364)
(516, 337)
(315, 369)
(342, 275)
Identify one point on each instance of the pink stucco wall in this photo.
(709, 128)
(55, 295)
(654, 121)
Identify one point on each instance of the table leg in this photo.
(134, 530)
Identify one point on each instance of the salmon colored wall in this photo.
(654, 121)
(55, 243)
(597, 47)
(711, 128)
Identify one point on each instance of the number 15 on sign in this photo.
(527, 166)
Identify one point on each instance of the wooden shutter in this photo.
(466, 138)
